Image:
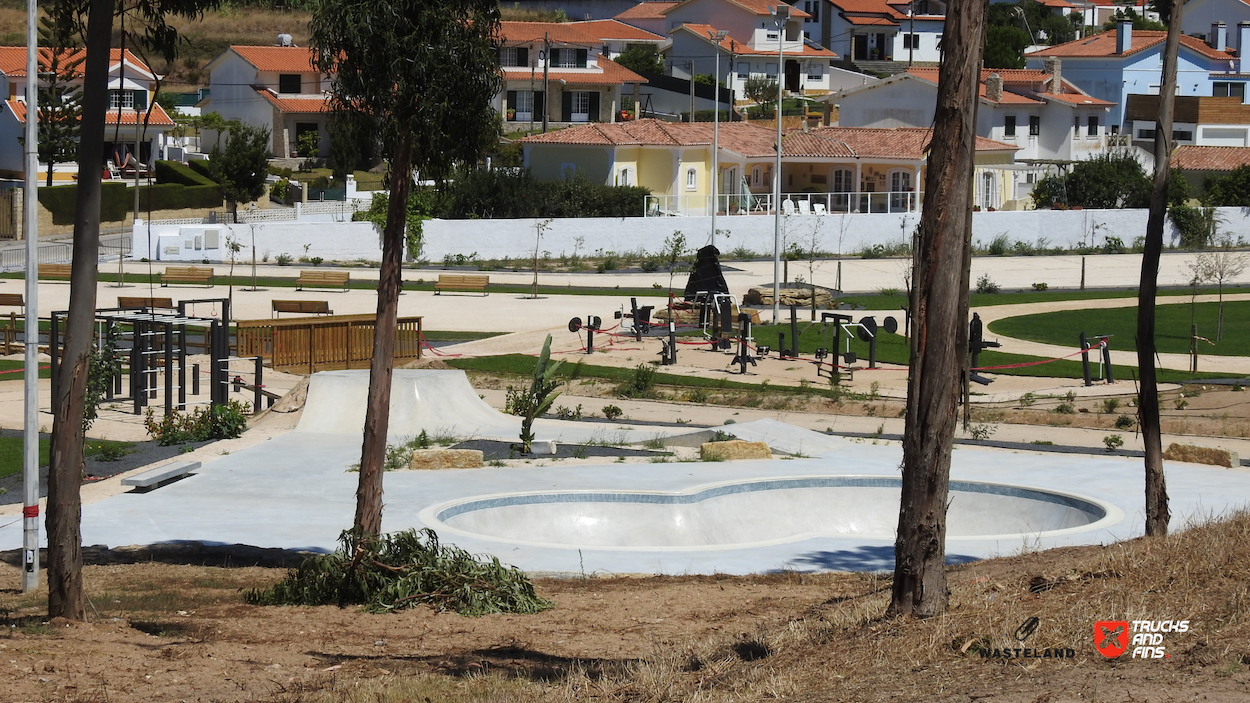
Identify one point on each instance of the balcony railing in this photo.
(791, 203)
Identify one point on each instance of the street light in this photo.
(717, 36)
(781, 13)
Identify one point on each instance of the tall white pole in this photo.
(782, 13)
(30, 230)
(717, 36)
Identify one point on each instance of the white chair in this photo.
(819, 208)
(805, 207)
(787, 207)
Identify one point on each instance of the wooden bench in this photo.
(187, 274)
(149, 480)
(131, 302)
(325, 279)
(13, 300)
(302, 307)
(59, 272)
(462, 282)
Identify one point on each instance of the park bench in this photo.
(150, 480)
(187, 274)
(302, 307)
(468, 283)
(13, 300)
(134, 302)
(9, 331)
(325, 279)
(59, 272)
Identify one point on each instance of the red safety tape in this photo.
(30, 511)
(1043, 361)
(22, 370)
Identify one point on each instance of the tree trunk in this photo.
(50, 166)
(377, 415)
(65, 593)
(1157, 514)
(939, 347)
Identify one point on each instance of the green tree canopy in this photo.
(641, 58)
(1232, 190)
(1139, 22)
(1004, 46)
(241, 167)
(1114, 180)
(60, 109)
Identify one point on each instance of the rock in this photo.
(734, 449)
(446, 459)
(294, 398)
(791, 295)
(1201, 455)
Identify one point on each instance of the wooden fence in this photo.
(308, 344)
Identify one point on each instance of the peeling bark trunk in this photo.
(939, 350)
(65, 591)
(1157, 515)
(377, 414)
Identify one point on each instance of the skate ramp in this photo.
(441, 402)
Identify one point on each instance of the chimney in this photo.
(1123, 36)
(994, 87)
(1218, 38)
(1243, 46)
(1053, 67)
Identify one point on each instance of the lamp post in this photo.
(717, 36)
(30, 230)
(781, 13)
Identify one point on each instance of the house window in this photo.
(1035, 125)
(524, 106)
(289, 83)
(770, 36)
(580, 107)
(755, 176)
(911, 41)
(692, 179)
(1009, 126)
(770, 69)
(569, 58)
(1091, 126)
(122, 99)
(1228, 90)
(1145, 134)
(514, 56)
(744, 70)
(1076, 126)
(843, 180)
(814, 71)
(1182, 135)
(623, 179)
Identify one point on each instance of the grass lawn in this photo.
(16, 370)
(878, 301)
(1172, 325)
(11, 455)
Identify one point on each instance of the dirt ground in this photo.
(177, 632)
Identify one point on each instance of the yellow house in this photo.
(830, 169)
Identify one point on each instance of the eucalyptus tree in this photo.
(93, 21)
(423, 75)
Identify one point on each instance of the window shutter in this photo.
(510, 99)
(566, 108)
(141, 99)
(522, 56)
(594, 107)
(581, 58)
(540, 103)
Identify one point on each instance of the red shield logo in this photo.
(1111, 637)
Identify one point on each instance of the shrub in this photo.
(199, 425)
(1027, 400)
(174, 196)
(278, 190)
(1113, 442)
(564, 413)
(201, 167)
(999, 245)
(115, 202)
(612, 412)
(283, 259)
(1124, 422)
(178, 172)
(640, 385)
(1109, 405)
(985, 284)
(403, 570)
(1039, 287)
(1065, 408)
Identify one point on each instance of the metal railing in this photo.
(791, 203)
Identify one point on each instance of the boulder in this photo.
(1195, 454)
(790, 295)
(446, 459)
(734, 449)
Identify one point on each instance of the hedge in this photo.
(178, 172)
(200, 166)
(175, 196)
(61, 201)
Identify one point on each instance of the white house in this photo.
(878, 30)
(1047, 118)
(1115, 65)
(581, 83)
(275, 87)
(133, 114)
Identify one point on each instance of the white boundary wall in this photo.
(347, 241)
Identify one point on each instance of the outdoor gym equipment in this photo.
(1104, 364)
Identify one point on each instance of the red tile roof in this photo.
(759, 7)
(284, 59)
(866, 7)
(1210, 158)
(588, 33)
(754, 141)
(13, 60)
(295, 105)
(701, 31)
(1020, 86)
(1103, 45)
(646, 11)
(609, 73)
(160, 118)
(1057, 3)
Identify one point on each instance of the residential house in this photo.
(880, 30)
(1198, 163)
(133, 115)
(1114, 65)
(1048, 118)
(577, 81)
(829, 169)
(648, 16)
(751, 46)
(275, 87)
